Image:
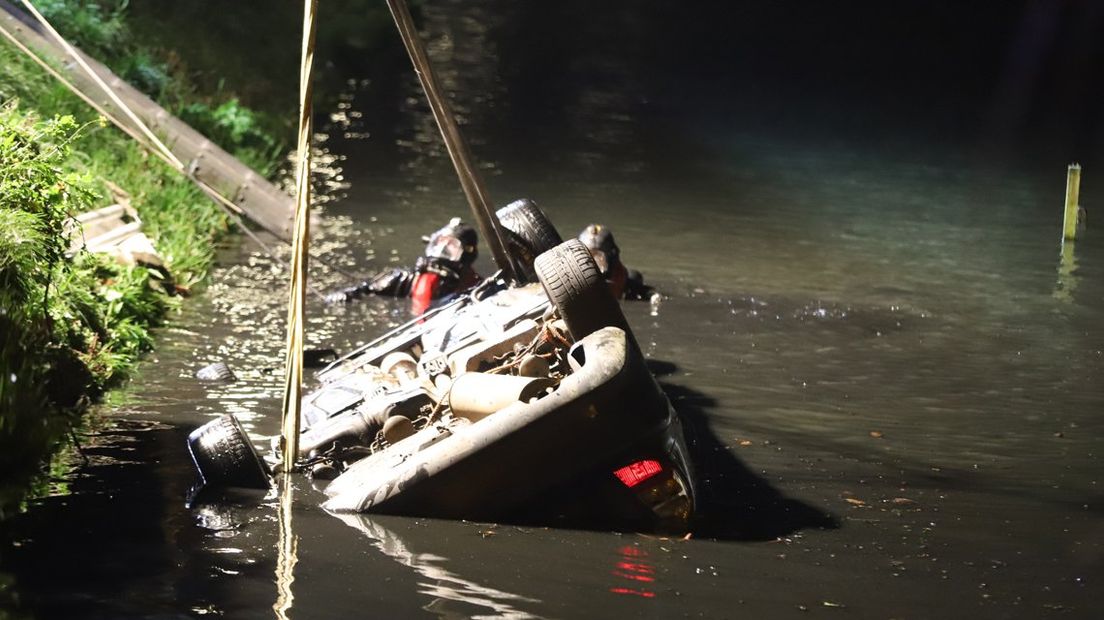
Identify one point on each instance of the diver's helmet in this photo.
(456, 243)
(599, 240)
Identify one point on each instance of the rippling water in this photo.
(891, 366)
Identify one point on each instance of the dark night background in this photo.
(996, 77)
(890, 360)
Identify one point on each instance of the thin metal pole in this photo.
(470, 181)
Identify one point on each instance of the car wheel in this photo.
(532, 233)
(225, 457)
(577, 289)
(218, 371)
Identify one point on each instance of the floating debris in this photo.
(218, 371)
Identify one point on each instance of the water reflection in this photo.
(637, 572)
(452, 595)
(1067, 273)
(287, 551)
(465, 59)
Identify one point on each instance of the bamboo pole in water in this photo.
(1073, 198)
(293, 385)
(470, 181)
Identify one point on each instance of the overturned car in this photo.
(516, 400)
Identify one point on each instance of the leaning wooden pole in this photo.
(470, 181)
(153, 139)
(234, 183)
(293, 384)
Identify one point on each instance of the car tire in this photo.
(577, 289)
(218, 371)
(532, 233)
(225, 457)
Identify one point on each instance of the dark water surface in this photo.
(892, 369)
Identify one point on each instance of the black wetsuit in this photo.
(447, 278)
(635, 289)
(395, 282)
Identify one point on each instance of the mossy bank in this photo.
(73, 324)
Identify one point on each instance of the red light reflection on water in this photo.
(632, 565)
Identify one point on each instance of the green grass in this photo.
(73, 325)
(99, 27)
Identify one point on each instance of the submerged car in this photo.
(516, 400)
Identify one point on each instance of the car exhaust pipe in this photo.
(476, 395)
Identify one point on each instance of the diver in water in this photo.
(625, 283)
(445, 268)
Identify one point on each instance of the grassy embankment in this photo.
(73, 324)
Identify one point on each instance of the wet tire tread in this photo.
(575, 286)
(225, 456)
(529, 222)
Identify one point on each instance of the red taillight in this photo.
(632, 475)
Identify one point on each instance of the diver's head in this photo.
(455, 244)
(599, 240)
